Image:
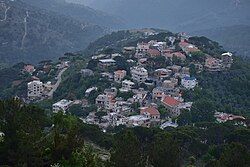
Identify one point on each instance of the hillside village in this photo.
(147, 83)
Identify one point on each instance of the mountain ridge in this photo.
(32, 34)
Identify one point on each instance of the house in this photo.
(154, 52)
(158, 93)
(168, 84)
(87, 72)
(62, 105)
(227, 59)
(104, 63)
(128, 50)
(189, 82)
(35, 89)
(142, 47)
(172, 105)
(29, 68)
(213, 64)
(119, 75)
(162, 73)
(89, 90)
(139, 97)
(187, 47)
(114, 55)
(112, 92)
(138, 120)
(101, 100)
(178, 55)
(127, 86)
(224, 117)
(100, 56)
(175, 68)
(105, 101)
(108, 75)
(139, 74)
(150, 112)
(185, 71)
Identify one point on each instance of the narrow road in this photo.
(59, 80)
(5, 15)
(25, 29)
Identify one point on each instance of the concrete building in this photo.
(158, 93)
(213, 64)
(89, 90)
(102, 100)
(127, 85)
(142, 47)
(29, 68)
(227, 59)
(119, 75)
(150, 112)
(62, 105)
(162, 73)
(139, 74)
(172, 105)
(87, 72)
(138, 120)
(189, 82)
(104, 63)
(35, 89)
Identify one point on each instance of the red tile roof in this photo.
(170, 101)
(154, 52)
(151, 110)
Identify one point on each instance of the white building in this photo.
(103, 63)
(127, 85)
(89, 90)
(139, 74)
(62, 105)
(119, 75)
(189, 82)
(35, 89)
(142, 47)
(138, 120)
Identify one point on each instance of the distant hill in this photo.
(176, 15)
(234, 38)
(30, 34)
(78, 12)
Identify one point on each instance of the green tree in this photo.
(126, 151)
(235, 154)
(165, 151)
(84, 157)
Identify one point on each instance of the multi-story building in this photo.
(162, 73)
(227, 60)
(62, 105)
(104, 63)
(158, 93)
(150, 112)
(172, 105)
(142, 47)
(189, 82)
(127, 86)
(29, 68)
(139, 74)
(119, 75)
(213, 64)
(35, 89)
(87, 72)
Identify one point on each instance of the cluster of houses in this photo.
(150, 89)
(36, 89)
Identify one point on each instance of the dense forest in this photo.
(32, 137)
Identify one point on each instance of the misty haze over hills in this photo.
(201, 17)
